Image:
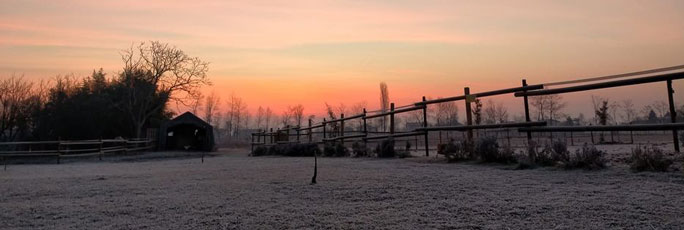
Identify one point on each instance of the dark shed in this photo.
(186, 132)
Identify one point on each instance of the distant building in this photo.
(186, 132)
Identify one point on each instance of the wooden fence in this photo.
(282, 136)
(66, 149)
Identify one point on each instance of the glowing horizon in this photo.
(276, 54)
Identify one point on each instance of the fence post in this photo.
(425, 124)
(392, 119)
(310, 130)
(342, 128)
(323, 131)
(469, 113)
(101, 152)
(673, 113)
(365, 129)
(527, 111)
(272, 136)
(298, 132)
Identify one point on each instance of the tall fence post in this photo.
(392, 118)
(469, 113)
(673, 113)
(310, 130)
(527, 111)
(342, 128)
(323, 131)
(425, 124)
(365, 128)
(272, 136)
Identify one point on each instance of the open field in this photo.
(233, 190)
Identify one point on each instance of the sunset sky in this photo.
(280, 53)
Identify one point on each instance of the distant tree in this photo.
(477, 111)
(211, 107)
(384, 104)
(155, 73)
(446, 114)
(297, 113)
(358, 109)
(628, 111)
(19, 100)
(259, 119)
(548, 107)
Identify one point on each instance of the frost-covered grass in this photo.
(233, 190)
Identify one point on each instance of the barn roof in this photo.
(187, 118)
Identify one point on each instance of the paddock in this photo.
(232, 190)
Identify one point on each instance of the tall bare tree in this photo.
(211, 107)
(384, 103)
(447, 113)
(297, 113)
(18, 99)
(259, 118)
(628, 111)
(171, 73)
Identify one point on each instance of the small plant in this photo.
(589, 157)
(649, 159)
(359, 149)
(335, 149)
(487, 149)
(260, 151)
(386, 148)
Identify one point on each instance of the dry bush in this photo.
(292, 150)
(589, 157)
(335, 149)
(649, 159)
(386, 148)
(487, 149)
(359, 149)
(454, 151)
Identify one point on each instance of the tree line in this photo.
(124, 105)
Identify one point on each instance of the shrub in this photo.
(408, 146)
(649, 159)
(589, 157)
(453, 151)
(260, 151)
(335, 149)
(359, 149)
(287, 150)
(487, 149)
(386, 148)
(308, 149)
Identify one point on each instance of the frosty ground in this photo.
(233, 190)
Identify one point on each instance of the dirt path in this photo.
(236, 191)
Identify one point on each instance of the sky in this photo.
(281, 53)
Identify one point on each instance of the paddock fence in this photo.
(334, 130)
(68, 149)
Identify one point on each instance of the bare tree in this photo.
(18, 100)
(548, 107)
(628, 111)
(286, 118)
(268, 117)
(661, 108)
(172, 73)
(447, 113)
(477, 111)
(259, 119)
(489, 112)
(211, 107)
(358, 109)
(297, 113)
(235, 114)
(384, 104)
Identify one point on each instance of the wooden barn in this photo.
(186, 132)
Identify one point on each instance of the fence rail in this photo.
(80, 148)
(528, 126)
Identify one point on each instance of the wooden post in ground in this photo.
(323, 131)
(101, 151)
(365, 129)
(469, 113)
(527, 111)
(298, 132)
(425, 124)
(310, 130)
(272, 136)
(392, 118)
(342, 128)
(673, 114)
